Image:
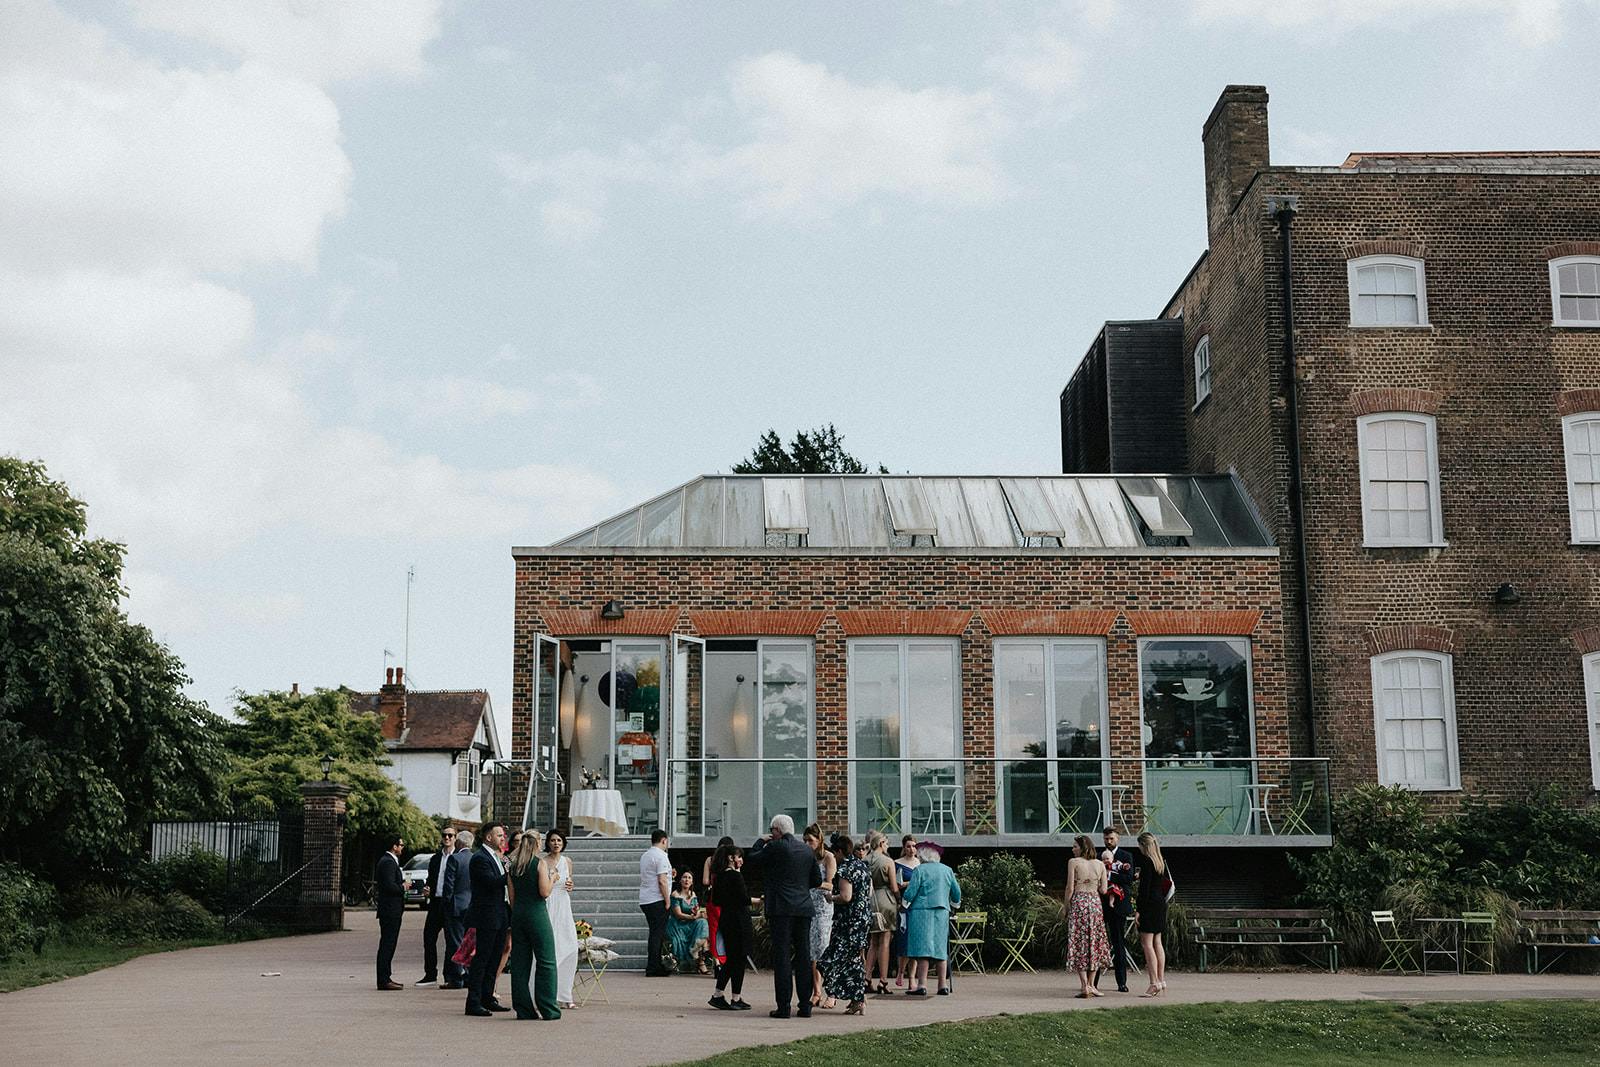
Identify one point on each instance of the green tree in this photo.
(279, 743)
(96, 735)
(821, 451)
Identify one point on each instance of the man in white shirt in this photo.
(655, 885)
(438, 905)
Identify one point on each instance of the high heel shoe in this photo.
(855, 1008)
(883, 988)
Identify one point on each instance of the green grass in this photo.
(68, 959)
(1302, 1034)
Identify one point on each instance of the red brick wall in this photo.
(1497, 375)
(1100, 589)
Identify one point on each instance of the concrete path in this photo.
(214, 1005)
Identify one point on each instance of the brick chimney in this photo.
(1235, 138)
(392, 703)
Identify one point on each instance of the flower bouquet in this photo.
(584, 930)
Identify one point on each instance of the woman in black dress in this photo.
(732, 897)
(1154, 883)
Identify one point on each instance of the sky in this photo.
(301, 295)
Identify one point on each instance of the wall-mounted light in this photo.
(1507, 594)
(568, 712)
(612, 610)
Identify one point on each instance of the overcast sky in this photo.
(299, 294)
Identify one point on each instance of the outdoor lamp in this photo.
(567, 711)
(611, 610)
(327, 765)
(1507, 594)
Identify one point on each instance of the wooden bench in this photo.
(1229, 929)
(1555, 933)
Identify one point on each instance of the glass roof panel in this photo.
(907, 506)
(1233, 511)
(991, 520)
(1110, 512)
(702, 512)
(785, 505)
(1066, 499)
(1031, 507)
(663, 521)
(620, 532)
(867, 512)
(825, 511)
(1157, 510)
(949, 513)
(745, 519)
(1189, 501)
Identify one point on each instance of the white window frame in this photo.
(1435, 537)
(1591, 707)
(1555, 292)
(1452, 747)
(1568, 425)
(1353, 266)
(958, 757)
(1202, 370)
(468, 769)
(1052, 778)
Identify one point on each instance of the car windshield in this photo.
(419, 862)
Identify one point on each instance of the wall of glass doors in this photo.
(904, 704)
(1051, 724)
(1199, 734)
(759, 705)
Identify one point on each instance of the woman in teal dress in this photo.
(928, 897)
(687, 931)
(533, 942)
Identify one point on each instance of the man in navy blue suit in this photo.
(488, 915)
(458, 899)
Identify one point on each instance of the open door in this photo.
(544, 779)
(684, 768)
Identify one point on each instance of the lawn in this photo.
(1302, 1034)
(68, 959)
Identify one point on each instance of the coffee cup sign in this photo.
(1195, 688)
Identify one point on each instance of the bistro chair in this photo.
(1297, 819)
(1477, 942)
(1014, 947)
(888, 815)
(966, 941)
(1066, 816)
(983, 820)
(1218, 813)
(1152, 809)
(1400, 954)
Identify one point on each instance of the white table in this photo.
(599, 810)
(942, 807)
(1110, 797)
(1259, 793)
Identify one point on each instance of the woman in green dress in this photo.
(533, 942)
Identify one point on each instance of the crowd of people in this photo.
(844, 917)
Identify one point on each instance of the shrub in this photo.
(128, 916)
(195, 872)
(28, 911)
(1004, 886)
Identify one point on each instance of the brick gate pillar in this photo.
(321, 896)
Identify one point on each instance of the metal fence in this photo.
(261, 862)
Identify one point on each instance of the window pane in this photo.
(1366, 309)
(1196, 696)
(1078, 699)
(786, 731)
(1019, 690)
(930, 723)
(732, 801)
(875, 721)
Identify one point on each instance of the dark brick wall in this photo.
(919, 582)
(1491, 366)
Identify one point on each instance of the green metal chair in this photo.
(1477, 942)
(983, 820)
(1152, 810)
(966, 941)
(1400, 954)
(1218, 812)
(1298, 818)
(1066, 816)
(888, 815)
(1014, 947)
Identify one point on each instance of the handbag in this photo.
(469, 945)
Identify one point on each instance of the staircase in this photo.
(605, 876)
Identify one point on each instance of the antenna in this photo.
(405, 659)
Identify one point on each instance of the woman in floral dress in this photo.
(1088, 948)
(843, 966)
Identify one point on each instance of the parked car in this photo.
(416, 876)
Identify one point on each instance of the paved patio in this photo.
(211, 1005)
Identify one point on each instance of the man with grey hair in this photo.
(458, 891)
(789, 872)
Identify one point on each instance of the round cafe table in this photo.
(599, 811)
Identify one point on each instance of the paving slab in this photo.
(219, 1005)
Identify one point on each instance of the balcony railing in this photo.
(1213, 798)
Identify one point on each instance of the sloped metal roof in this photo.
(895, 511)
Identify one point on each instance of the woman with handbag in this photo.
(1155, 889)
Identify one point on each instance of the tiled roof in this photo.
(436, 720)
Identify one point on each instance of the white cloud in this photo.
(494, 55)
(1533, 22)
(317, 41)
(1045, 64)
(454, 399)
(570, 221)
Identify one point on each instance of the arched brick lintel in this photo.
(1373, 401)
(1409, 635)
(1587, 640)
(1572, 401)
(1388, 246)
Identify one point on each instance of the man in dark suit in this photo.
(488, 915)
(391, 891)
(789, 873)
(438, 914)
(458, 899)
(1117, 904)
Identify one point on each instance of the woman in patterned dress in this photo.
(1088, 948)
(821, 905)
(844, 968)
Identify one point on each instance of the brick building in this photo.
(1417, 336)
(997, 661)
